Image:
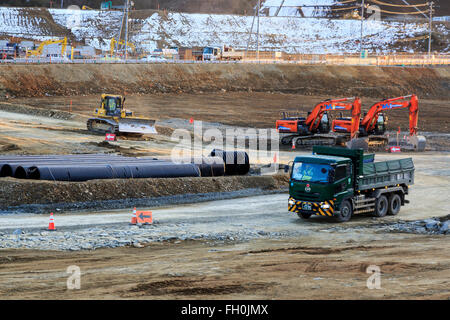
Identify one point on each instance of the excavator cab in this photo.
(324, 126)
(380, 127)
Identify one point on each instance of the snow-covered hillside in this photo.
(290, 34)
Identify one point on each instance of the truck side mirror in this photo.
(331, 173)
(286, 168)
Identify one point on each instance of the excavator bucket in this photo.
(358, 143)
(140, 126)
(418, 142)
(410, 143)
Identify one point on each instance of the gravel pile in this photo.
(118, 236)
(427, 226)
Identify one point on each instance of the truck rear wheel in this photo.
(304, 215)
(381, 206)
(395, 202)
(345, 211)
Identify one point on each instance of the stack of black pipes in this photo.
(85, 167)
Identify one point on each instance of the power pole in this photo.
(362, 26)
(257, 32)
(62, 4)
(126, 30)
(250, 33)
(431, 28)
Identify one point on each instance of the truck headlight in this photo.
(291, 202)
(325, 206)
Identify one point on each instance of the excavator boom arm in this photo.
(313, 120)
(371, 118)
(40, 49)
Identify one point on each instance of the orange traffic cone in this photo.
(293, 144)
(51, 225)
(133, 218)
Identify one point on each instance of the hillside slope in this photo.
(219, 6)
(152, 29)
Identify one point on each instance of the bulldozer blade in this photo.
(358, 143)
(141, 126)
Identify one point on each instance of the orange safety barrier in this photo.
(144, 217)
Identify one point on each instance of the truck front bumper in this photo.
(322, 208)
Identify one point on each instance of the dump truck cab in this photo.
(321, 182)
(339, 182)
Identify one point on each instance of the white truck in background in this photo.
(214, 53)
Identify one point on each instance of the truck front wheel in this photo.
(395, 202)
(345, 211)
(304, 215)
(381, 206)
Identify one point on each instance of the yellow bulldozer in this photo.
(112, 117)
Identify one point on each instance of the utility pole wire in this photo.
(404, 1)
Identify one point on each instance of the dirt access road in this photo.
(318, 264)
(248, 248)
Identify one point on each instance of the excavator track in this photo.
(287, 140)
(101, 126)
(377, 142)
(315, 140)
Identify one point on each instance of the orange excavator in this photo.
(314, 129)
(373, 125)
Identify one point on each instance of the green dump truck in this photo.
(340, 182)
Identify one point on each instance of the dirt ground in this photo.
(246, 109)
(288, 269)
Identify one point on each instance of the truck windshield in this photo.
(311, 172)
(208, 50)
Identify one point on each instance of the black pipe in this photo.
(209, 166)
(8, 170)
(119, 171)
(236, 162)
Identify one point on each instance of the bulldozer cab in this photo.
(113, 105)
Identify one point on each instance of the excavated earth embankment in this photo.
(26, 195)
(368, 81)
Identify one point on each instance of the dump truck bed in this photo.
(386, 173)
(373, 175)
